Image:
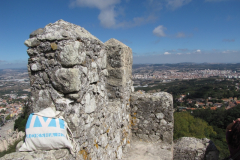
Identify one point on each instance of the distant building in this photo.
(181, 108)
(225, 100)
(182, 96)
(191, 109)
(230, 105)
(237, 102)
(189, 100)
(198, 104)
(217, 105)
(209, 103)
(213, 108)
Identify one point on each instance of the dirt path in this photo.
(148, 151)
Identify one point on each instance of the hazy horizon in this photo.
(18, 66)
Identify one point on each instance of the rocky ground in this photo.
(4, 129)
(8, 136)
(142, 150)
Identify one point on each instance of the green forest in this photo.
(206, 123)
(196, 88)
(186, 125)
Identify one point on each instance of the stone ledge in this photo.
(142, 150)
(60, 154)
(194, 148)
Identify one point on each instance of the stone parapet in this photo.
(61, 154)
(64, 68)
(152, 116)
(194, 148)
(119, 83)
(69, 70)
(119, 66)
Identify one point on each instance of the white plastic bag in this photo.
(46, 131)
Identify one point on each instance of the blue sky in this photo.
(158, 31)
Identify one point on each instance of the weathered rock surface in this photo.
(61, 154)
(67, 80)
(152, 116)
(9, 138)
(142, 150)
(71, 54)
(195, 149)
(119, 66)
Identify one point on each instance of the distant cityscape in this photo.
(155, 78)
(201, 103)
(14, 91)
(176, 74)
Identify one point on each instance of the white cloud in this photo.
(198, 51)
(100, 4)
(107, 13)
(167, 53)
(159, 31)
(154, 5)
(180, 35)
(107, 17)
(179, 53)
(227, 51)
(174, 4)
(137, 21)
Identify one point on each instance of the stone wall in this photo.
(68, 70)
(119, 83)
(119, 66)
(152, 116)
